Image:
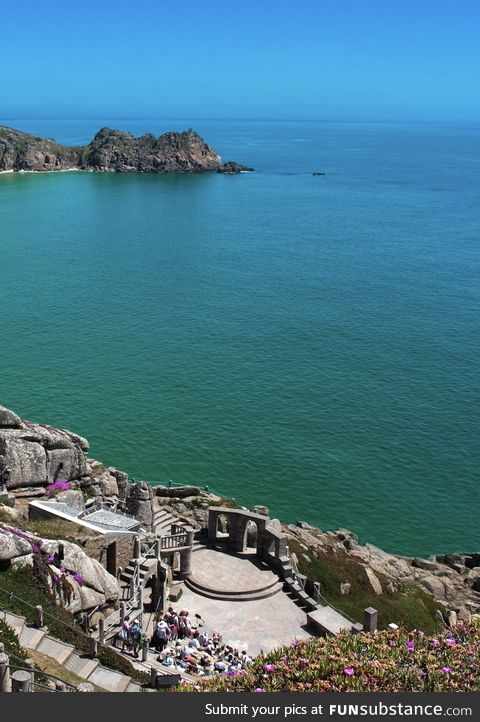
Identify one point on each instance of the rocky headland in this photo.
(113, 151)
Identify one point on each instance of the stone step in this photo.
(60, 651)
(31, 637)
(268, 591)
(81, 666)
(14, 621)
(133, 687)
(109, 679)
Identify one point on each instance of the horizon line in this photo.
(247, 120)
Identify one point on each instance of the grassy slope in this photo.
(409, 607)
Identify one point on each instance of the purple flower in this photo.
(410, 646)
(57, 486)
(435, 642)
(451, 642)
(349, 671)
(259, 689)
(446, 670)
(270, 667)
(78, 578)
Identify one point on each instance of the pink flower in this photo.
(259, 689)
(410, 646)
(446, 670)
(435, 642)
(451, 642)
(349, 671)
(270, 667)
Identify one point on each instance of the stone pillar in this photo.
(212, 525)
(5, 685)
(236, 537)
(158, 547)
(370, 619)
(101, 630)
(29, 663)
(136, 548)
(38, 615)
(153, 677)
(21, 681)
(186, 555)
(93, 647)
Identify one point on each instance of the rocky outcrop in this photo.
(89, 581)
(37, 454)
(139, 503)
(114, 151)
(231, 167)
(33, 456)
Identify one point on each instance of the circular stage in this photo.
(220, 575)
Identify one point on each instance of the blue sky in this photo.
(312, 59)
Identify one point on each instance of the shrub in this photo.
(386, 661)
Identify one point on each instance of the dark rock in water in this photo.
(318, 172)
(232, 167)
(113, 151)
(179, 492)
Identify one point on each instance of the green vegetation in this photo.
(409, 607)
(388, 661)
(26, 589)
(10, 640)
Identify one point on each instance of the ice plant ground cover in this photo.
(57, 487)
(382, 661)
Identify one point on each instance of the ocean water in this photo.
(307, 342)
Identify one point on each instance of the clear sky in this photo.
(414, 60)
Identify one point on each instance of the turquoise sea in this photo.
(307, 342)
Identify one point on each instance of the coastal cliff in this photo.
(113, 151)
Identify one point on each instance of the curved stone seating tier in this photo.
(219, 575)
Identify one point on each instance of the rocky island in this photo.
(113, 151)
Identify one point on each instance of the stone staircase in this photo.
(86, 668)
(163, 521)
(145, 569)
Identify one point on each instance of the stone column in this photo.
(136, 548)
(153, 677)
(186, 555)
(21, 681)
(29, 663)
(370, 619)
(101, 630)
(93, 647)
(212, 525)
(38, 616)
(5, 685)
